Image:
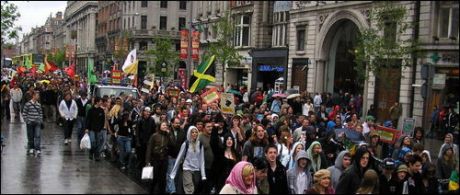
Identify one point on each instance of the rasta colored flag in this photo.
(202, 76)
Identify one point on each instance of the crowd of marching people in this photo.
(270, 145)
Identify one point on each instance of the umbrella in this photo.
(234, 92)
(281, 95)
(293, 96)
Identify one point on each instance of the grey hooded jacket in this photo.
(337, 169)
(292, 174)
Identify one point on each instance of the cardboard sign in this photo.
(116, 76)
(173, 92)
(210, 96)
(147, 86)
(227, 103)
(408, 126)
(387, 135)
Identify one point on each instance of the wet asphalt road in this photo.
(59, 169)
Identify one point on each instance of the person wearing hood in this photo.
(404, 147)
(299, 177)
(445, 165)
(316, 155)
(157, 155)
(342, 162)
(298, 146)
(242, 180)
(352, 176)
(426, 160)
(449, 141)
(191, 158)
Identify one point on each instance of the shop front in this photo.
(269, 65)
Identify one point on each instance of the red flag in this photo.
(20, 69)
(49, 66)
(70, 71)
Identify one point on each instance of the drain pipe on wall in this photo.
(415, 34)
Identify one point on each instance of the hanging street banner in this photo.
(183, 44)
(181, 76)
(227, 103)
(195, 45)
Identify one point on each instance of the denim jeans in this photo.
(96, 143)
(104, 140)
(170, 185)
(33, 135)
(68, 126)
(80, 124)
(124, 144)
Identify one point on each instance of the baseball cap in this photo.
(388, 163)
(189, 101)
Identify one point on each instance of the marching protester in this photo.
(95, 123)
(68, 110)
(299, 177)
(33, 116)
(242, 180)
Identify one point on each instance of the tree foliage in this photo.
(58, 57)
(9, 16)
(381, 45)
(223, 47)
(164, 51)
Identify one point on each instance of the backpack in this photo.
(186, 147)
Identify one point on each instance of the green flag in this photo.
(41, 68)
(202, 76)
(27, 62)
(92, 79)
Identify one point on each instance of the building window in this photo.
(143, 45)
(143, 22)
(448, 20)
(163, 4)
(181, 23)
(389, 32)
(144, 3)
(183, 5)
(301, 39)
(242, 30)
(163, 22)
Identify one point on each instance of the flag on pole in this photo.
(70, 71)
(202, 76)
(49, 66)
(92, 79)
(28, 62)
(131, 63)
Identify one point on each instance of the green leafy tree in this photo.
(223, 48)
(9, 16)
(58, 58)
(164, 51)
(380, 47)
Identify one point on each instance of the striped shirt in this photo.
(32, 112)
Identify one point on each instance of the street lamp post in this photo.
(163, 71)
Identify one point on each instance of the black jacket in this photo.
(277, 179)
(144, 129)
(351, 178)
(81, 107)
(179, 137)
(96, 119)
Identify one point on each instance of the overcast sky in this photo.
(35, 13)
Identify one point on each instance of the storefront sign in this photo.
(387, 135)
(408, 126)
(227, 103)
(439, 81)
(268, 68)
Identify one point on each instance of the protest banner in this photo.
(387, 135)
(227, 103)
(210, 96)
(408, 126)
(147, 86)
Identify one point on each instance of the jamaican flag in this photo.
(202, 76)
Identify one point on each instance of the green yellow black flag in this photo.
(202, 75)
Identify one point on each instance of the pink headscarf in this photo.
(236, 178)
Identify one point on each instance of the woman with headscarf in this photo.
(191, 158)
(445, 165)
(318, 160)
(322, 183)
(298, 146)
(242, 180)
